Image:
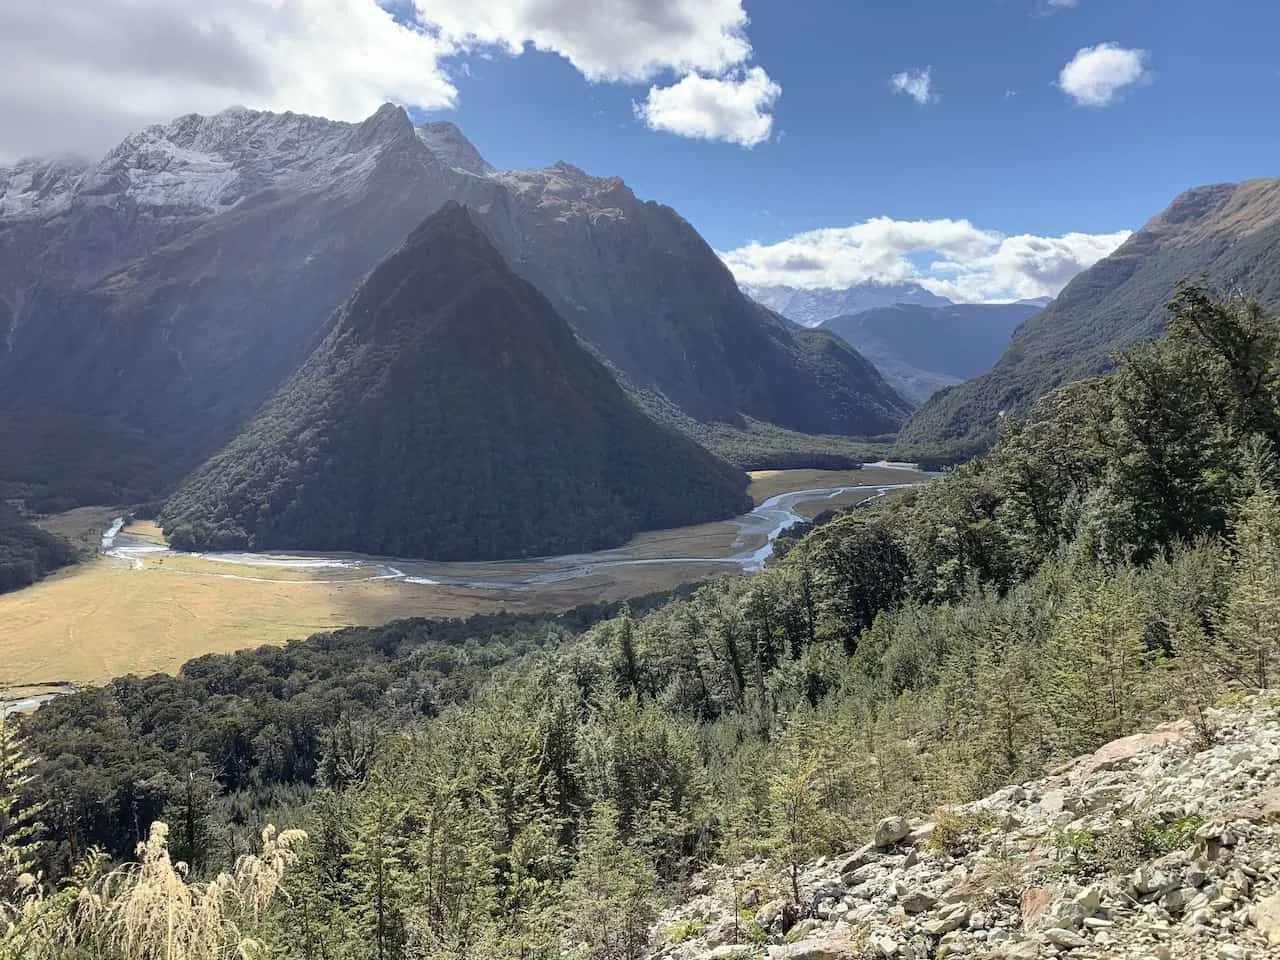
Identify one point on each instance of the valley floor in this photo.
(150, 610)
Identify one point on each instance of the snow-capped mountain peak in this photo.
(204, 165)
(447, 142)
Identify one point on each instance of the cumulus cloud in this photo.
(915, 83)
(1095, 75)
(77, 75)
(951, 258)
(733, 108)
(611, 40)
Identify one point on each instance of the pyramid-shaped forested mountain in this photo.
(449, 413)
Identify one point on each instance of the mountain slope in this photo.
(1230, 232)
(28, 553)
(921, 350)
(450, 413)
(155, 300)
(811, 308)
(653, 300)
(150, 303)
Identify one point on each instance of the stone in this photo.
(890, 831)
(917, 901)
(1148, 880)
(1033, 903)
(1090, 899)
(857, 860)
(944, 925)
(1266, 917)
(771, 911)
(1067, 939)
(817, 948)
(1120, 752)
(885, 946)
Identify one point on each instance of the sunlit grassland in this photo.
(103, 619)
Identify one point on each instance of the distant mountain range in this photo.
(921, 350)
(920, 342)
(1229, 233)
(151, 302)
(812, 308)
(450, 413)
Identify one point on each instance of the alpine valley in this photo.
(151, 302)
(406, 559)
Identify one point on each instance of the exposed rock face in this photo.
(1229, 231)
(156, 299)
(652, 299)
(151, 302)
(1054, 868)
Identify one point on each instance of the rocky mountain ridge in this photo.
(1159, 846)
(811, 308)
(1229, 233)
(923, 349)
(151, 302)
(449, 413)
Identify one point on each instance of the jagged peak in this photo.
(452, 148)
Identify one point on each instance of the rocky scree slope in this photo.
(1231, 232)
(151, 302)
(450, 414)
(1156, 847)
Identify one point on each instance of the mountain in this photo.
(653, 300)
(450, 413)
(27, 553)
(811, 308)
(151, 302)
(1228, 232)
(920, 350)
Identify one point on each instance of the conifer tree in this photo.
(609, 900)
(1251, 622)
(1099, 684)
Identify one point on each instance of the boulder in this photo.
(818, 948)
(917, 901)
(1033, 903)
(1266, 917)
(890, 831)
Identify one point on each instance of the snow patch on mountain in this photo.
(454, 150)
(205, 165)
(812, 308)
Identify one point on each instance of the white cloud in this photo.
(733, 108)
(1096, 74)
(1062, 4)
(964, 262)
(916, 83)
(605, 39)
(77, 75)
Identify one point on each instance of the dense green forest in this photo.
(1116, 303)
(450, 414)
(517, 787)
(27, 553)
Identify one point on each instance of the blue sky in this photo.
(1001, 146)
(1004, 182)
